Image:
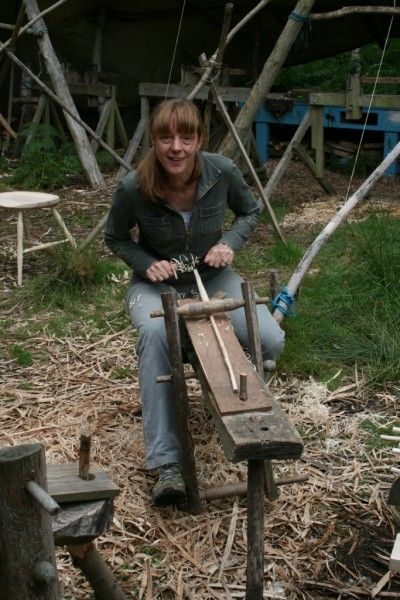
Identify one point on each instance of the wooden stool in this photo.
(22, 201)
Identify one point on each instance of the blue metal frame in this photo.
(386, 121)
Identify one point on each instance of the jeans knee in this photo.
(272, 346)
(152, 334)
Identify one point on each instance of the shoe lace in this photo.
(170, 470)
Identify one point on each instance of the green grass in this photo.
(373, 430)
(74, 290)
(47, 162)
(349, 312)
(330, 74)
(23, 357)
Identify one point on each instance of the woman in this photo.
(178, 198)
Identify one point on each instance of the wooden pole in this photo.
(132, 149)
(53, 66)
(329, 229)
(255, 530)
(28, 562)
(287, 156)
(271, 69)
(252, 326)
(94, 233)
(30, 23)
(236, 137)
(6, 63)
(311, 166)
(181, 402)
(200, 309)
(212, 62)
(97, 572)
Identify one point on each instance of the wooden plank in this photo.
(339, 99)
(210, 357)
(252, 435)
(65, 485)
(158, 90)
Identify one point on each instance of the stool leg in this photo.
(20, 246)
(63, 226)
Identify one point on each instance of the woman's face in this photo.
(176, 153)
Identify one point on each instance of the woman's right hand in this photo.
(160, 270)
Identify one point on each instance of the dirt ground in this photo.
(328, 537)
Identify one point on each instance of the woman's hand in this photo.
(219, 255)
(161, 270)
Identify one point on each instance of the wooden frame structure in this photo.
(256, 436)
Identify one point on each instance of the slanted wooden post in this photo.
(53, 66)
(267, 76)
(181, 402)
(28, 562)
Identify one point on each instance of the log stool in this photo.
(23, 201)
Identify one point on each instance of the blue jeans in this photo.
(159, 422)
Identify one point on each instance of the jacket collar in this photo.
(209, 174)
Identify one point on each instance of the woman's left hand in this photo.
(219, 255)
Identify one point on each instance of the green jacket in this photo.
(162, 231)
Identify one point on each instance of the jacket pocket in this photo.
(212, 217)
(156, 227)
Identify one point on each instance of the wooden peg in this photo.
(42, 497)
(84, 455)
(243, 387)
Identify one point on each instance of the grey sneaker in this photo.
(170, 486)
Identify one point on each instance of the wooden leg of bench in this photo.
(255, 530)
(181, 402)
(96, 571)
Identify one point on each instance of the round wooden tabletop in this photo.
(26, 200)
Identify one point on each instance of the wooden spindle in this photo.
(84, 455)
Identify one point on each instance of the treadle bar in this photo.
(240, 489)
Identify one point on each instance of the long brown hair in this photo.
(187, 120)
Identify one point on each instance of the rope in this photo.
(300, 18)
(302, 39)
(176, 45)
(370, 104)
(286, 298)
(216, 67)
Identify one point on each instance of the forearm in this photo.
(130, 252)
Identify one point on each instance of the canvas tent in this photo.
(138, 37)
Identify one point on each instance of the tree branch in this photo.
(348, 10)
(30, 23)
